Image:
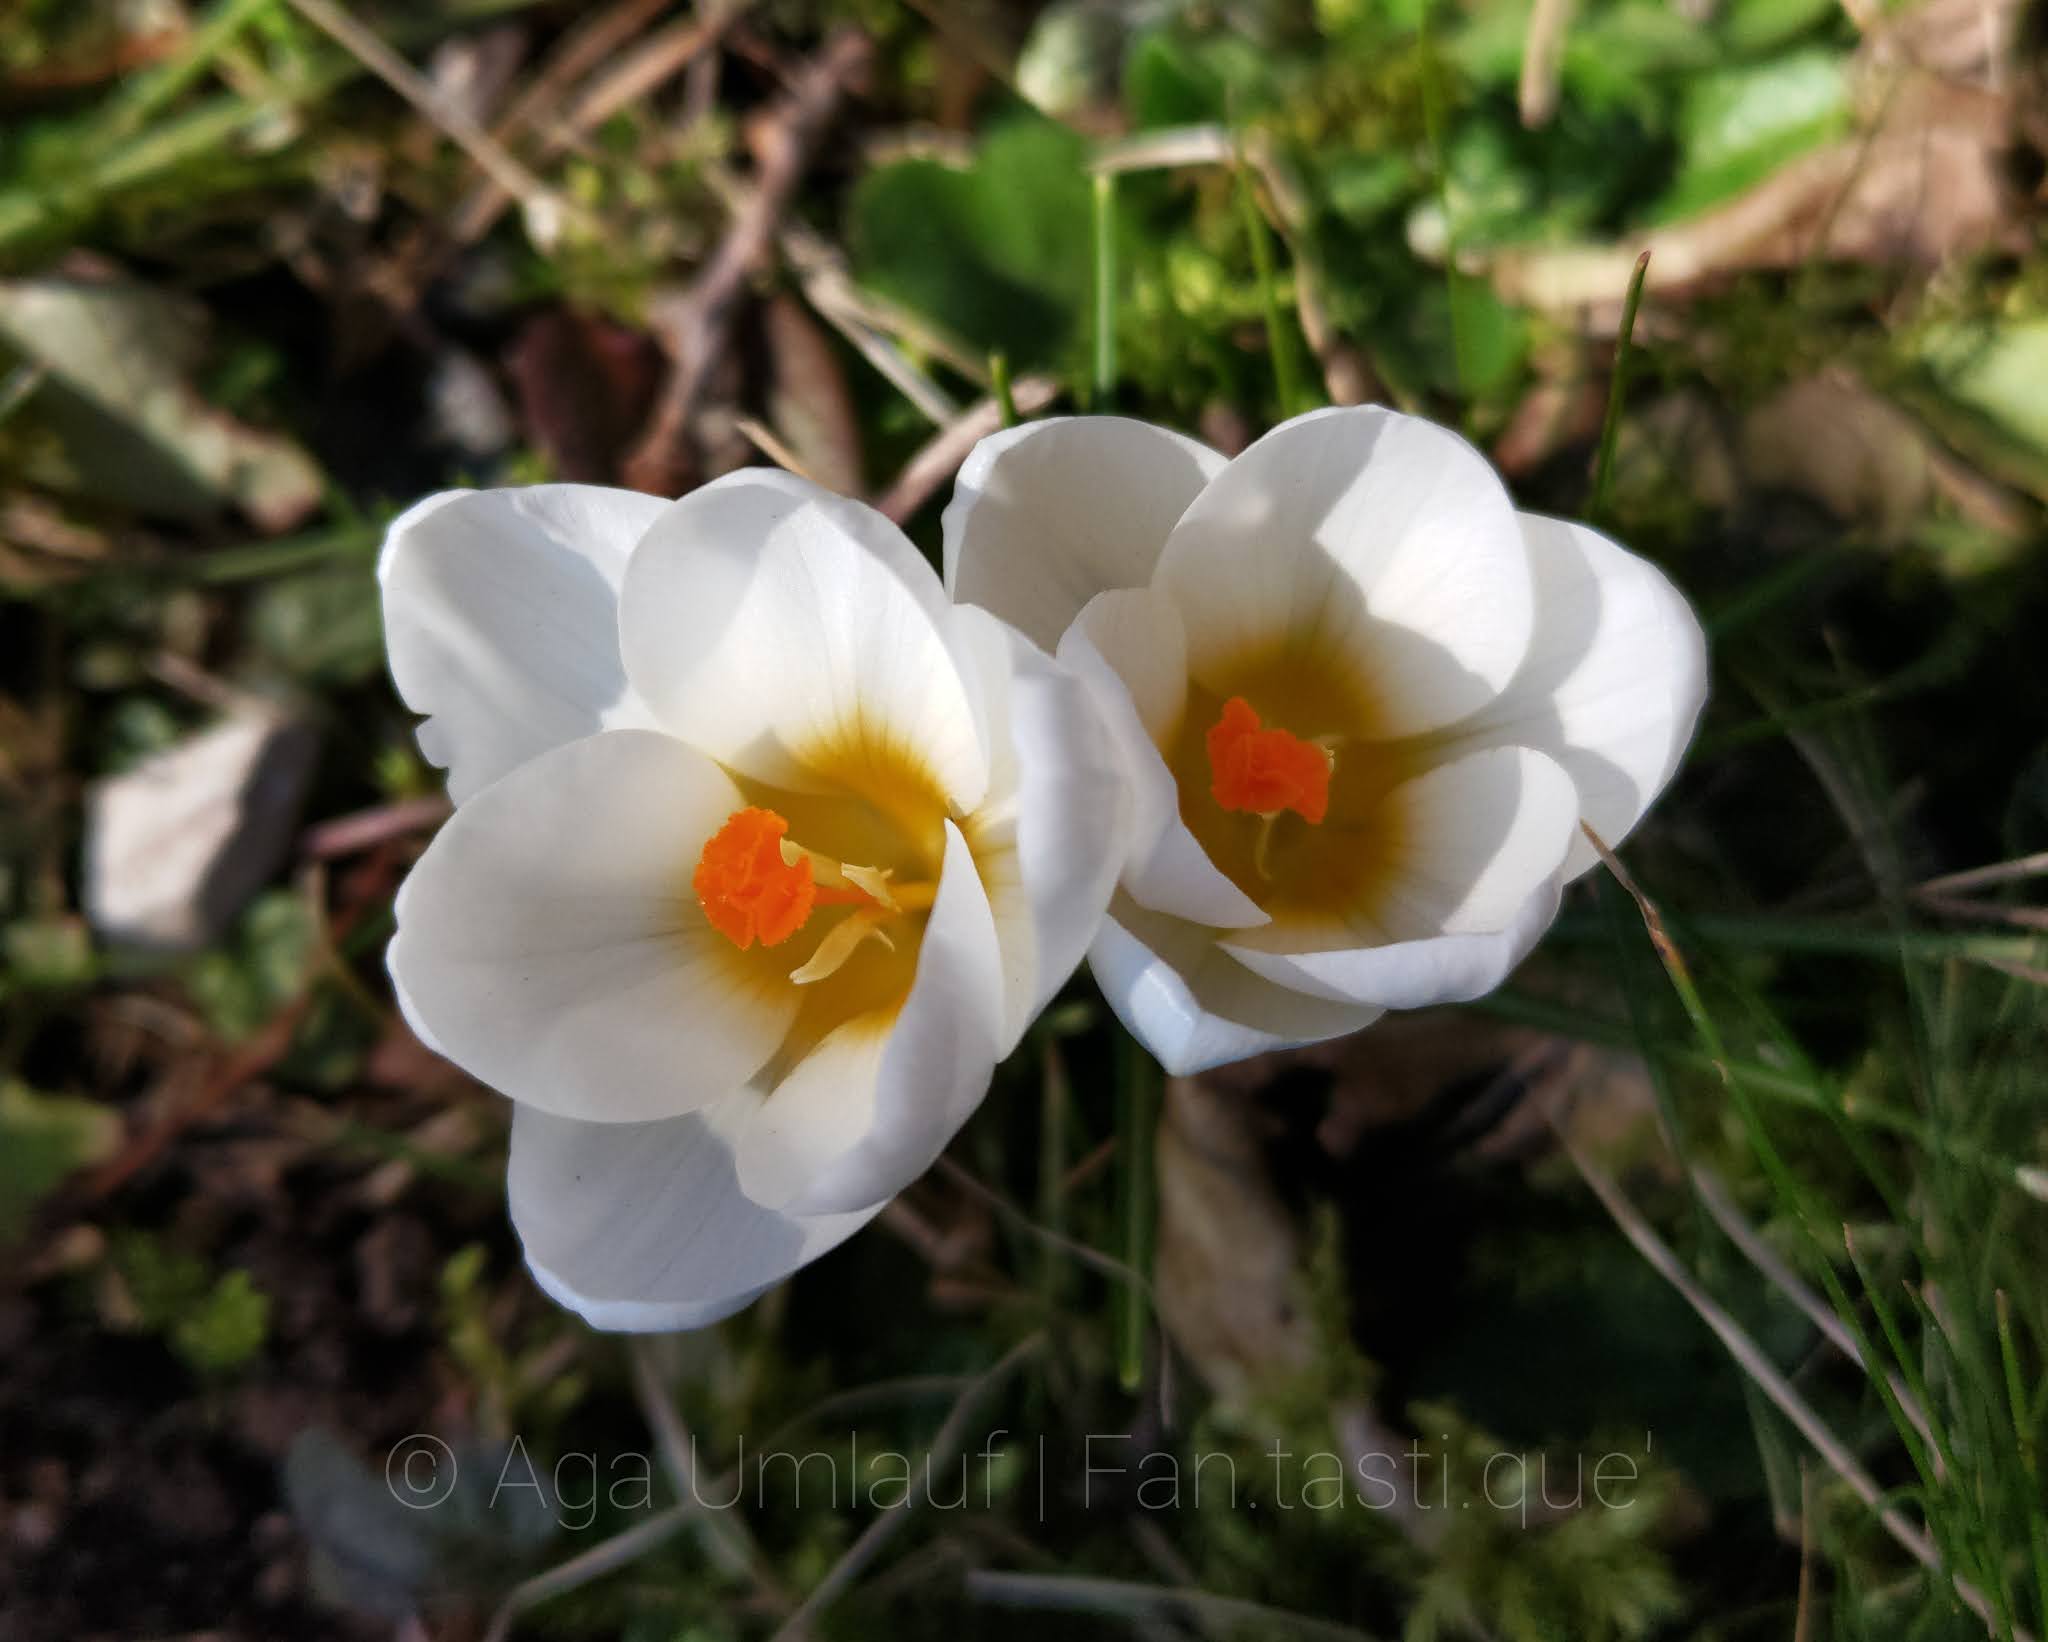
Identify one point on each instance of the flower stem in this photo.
(1052, 1167)
(1104, 184)
(1137, 1114)
(1279, 340)
(999, 380)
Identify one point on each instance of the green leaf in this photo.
(1171, 78)
(2001, 372)
(48, 954)
(323, 626)
(996, 254)
(261, 968)
(226, 1329)
(1740, 125)
(118, 417)
(44, 1139)
(1493, 337)
(1753, 27)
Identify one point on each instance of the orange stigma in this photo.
(1262, 772)
(746, 888)
(751, 889)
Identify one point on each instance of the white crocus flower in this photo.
(764, 854)
(1364, 703)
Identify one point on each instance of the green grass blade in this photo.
(1279, 339)
(1617, 390)
(1103, 184)
(999, 381)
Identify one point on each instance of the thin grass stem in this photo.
(1617, 391)
(1103, 192)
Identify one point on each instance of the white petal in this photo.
(769, 623)
(1469, 842)
(1127, 648)
(643, 1225)
(1614, 681)
(1412, 974)
(549, 943)
(1051, 836)
(1047, 514)
(1481, 835)
(867, 1111)
(1381, 541)
(501, 617)
(1192, 1005)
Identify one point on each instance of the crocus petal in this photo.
(1126, 647)
(773, 624)
(1193, 1005)
(1046, 515)
(1050, 840)
(866, 1111)
(501, 617)
(1471, 841)
(549, 942)
(1412, 974)
(1614, 681)
(643, 1226)
(1381, 541)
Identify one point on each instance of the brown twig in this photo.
(235, 1069)
(773, 446)
(581, 51)
(365, 829)
(1999, 872)
(1542, 61)
(942, 454)
(542, 204)
(693, 326)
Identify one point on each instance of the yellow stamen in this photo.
(840, 943)
(755, 883)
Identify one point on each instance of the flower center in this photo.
(756, 884)
(1256, 771)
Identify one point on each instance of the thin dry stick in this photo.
(497, 162)
(1999, 872)
(1542, 61)
(1078, 1594)
(595, 1563)
(869, 322)
(765, 439)
(644, 70)
(1988, 912)
(365, 829)
(942, 454)
(1802, 1622)
(1714, 1196)
(885, 1527)
(725, 1537)
(880, 350)
(1751, 1359)
(694, 326)
(584, 48)
(579, 55)
(1107, 1264)
(739, 1557)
